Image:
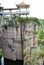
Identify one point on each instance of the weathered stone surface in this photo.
(11, 41)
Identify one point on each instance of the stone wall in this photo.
(12, 47)
(11, 40)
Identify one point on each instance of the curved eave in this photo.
(22, 6)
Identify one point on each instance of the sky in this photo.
(36, 6)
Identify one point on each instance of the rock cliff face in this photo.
(12, 43)
(12, 47)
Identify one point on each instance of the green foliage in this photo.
(36, 55)
(5, 25)
(15, 21)
(40, 35)
(42, 47)
(5, 16)
(23, 19)
(41, 53)
(35, 20)
(27, 19)
(26, 55)
(1, 53)
(42, 21)
(20, 19)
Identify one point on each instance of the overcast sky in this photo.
(36, 6)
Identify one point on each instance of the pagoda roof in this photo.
(22, 5)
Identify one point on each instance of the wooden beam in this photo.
(10, 8)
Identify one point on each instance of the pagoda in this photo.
(23, 8)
